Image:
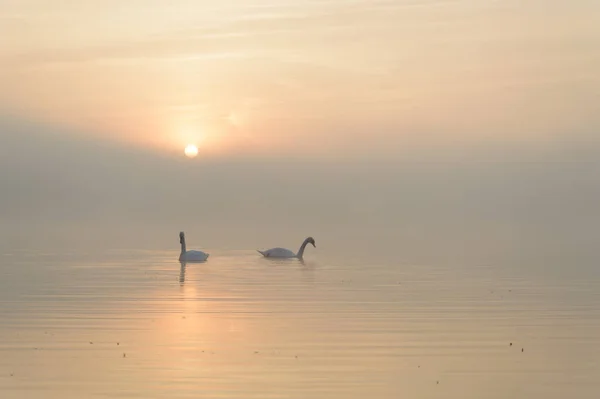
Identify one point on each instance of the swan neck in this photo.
(301, 250)
(183, 247)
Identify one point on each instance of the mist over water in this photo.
(444, 155)
(427, 267)
(502, 200)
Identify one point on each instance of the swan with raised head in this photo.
(286, 253)
(190, 256)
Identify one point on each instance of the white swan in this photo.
(286, 253)
(190, 256)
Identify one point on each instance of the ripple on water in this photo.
(239, 326)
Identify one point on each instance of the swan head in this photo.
(181, 237)
(311, 240)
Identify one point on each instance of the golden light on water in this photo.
(191, 151)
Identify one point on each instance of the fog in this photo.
(61, 191)
(444, 155)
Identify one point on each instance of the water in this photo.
(130, 324)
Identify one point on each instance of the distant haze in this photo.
(413, 127)
(61, 193)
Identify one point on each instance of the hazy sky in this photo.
(407, 118)
(321, 76)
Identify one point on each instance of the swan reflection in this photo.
(182, 273)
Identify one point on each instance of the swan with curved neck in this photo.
(286, 253)
(190, 256)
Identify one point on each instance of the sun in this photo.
(191, 151)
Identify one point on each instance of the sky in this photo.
(406, 121)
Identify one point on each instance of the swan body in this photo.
(197, 256)
(286, 253)
(190, 256)
(278, 253)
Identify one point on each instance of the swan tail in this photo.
(261, 252)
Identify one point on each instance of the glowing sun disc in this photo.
(191, 151)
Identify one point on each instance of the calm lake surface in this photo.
(134, 324)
